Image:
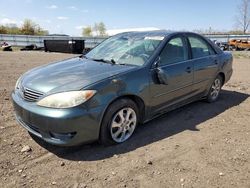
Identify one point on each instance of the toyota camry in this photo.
(128, 79)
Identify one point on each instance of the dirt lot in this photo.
(199, 145)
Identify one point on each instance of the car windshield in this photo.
(126, 49)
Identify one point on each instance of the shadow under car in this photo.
(164, 126)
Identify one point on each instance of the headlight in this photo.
(66, 99)
(17, 86)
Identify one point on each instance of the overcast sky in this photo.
(69, 16)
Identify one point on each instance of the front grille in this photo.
(31, 95)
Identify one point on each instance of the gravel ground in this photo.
(199, 145)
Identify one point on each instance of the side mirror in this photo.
(162, 76)
(157, 62)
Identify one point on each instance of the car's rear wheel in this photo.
(215, 89)
(119, 122)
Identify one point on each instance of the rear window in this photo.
(200, 48)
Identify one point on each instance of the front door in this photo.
(176, 68)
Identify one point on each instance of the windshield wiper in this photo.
(112, 61)
(83, 56)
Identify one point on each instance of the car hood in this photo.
(70, 74)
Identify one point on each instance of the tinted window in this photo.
(175, 51)
(200, 48)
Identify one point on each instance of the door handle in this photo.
(188, 70)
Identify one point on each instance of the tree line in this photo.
(98, 29)
(27, 28)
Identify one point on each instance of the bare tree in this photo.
(243, 17)
(102, 29)
(31, 28)
(99, 29)
(28, 27)
(87, 31)
(96, 29)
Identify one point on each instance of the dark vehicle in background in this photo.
(31, 47)
(222, 45)
(6, 47)
(128, 79)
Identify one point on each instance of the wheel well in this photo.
(138, 101)
(223, 77)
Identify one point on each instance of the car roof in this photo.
(165, 33)
(156, 33)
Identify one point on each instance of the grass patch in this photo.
(241, 54)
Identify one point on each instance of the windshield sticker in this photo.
(154, 38)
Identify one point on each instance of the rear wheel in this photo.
(215, 89)
(119, 122)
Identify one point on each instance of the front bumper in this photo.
(65, 127)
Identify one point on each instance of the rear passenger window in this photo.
(175, 51)
(200, 48)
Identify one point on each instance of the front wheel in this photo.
(119, 122)
(215, 89)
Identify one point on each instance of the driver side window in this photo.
(175, 51)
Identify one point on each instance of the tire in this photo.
(215, 89)
(119, 122)
(222, 48)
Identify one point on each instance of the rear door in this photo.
(175, 66)
(205, 62)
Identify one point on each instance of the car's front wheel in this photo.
(119, 122)
(215, 89)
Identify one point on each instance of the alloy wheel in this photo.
(215, 89)
(123, 124)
